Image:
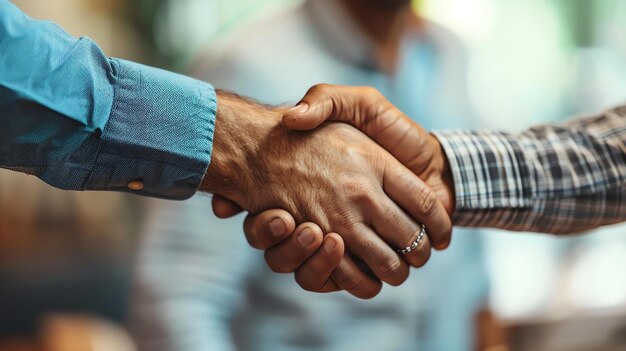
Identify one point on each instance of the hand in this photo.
(369, 111)
(335, 177)
(275, 232)
(366, 109)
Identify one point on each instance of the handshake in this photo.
(346, 205)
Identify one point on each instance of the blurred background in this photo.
(68, 261)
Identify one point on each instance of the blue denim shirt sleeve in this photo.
(80, 120)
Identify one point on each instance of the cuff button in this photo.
(135, 185)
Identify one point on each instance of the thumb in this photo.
(321, 103)
(224, 208)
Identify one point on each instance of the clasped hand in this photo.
(357, 199)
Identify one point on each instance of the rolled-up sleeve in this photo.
(80, 120)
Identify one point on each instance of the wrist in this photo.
(448, 181)
(242, 129)
(446, 192)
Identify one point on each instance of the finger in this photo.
(419, 201)
(398, 229)
(383, 261)
(322, 102)
(314, 274)
(287, 256)
(421, 254)
(349, 276)
(367, 110)
(268, 228)
(224, 208)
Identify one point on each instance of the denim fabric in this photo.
(82, 121)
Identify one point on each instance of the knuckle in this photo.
(346, 221)
(355, 154)
(346, 281)
(354, 187)
(252, 236)
(424, 256)
(276, 265)
(447, 233)
(367, 199)
(428, 202)
(391, 269)
(361, 193)
(318, 88)
(306, 284)
(319, 267)
(372, 92)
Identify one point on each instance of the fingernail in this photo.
(330, 245)
(300, 108)
(306, 237)
(278, 226)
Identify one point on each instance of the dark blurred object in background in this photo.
(58, 332)
(581, 333)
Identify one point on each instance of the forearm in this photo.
(553, 179)
(80, 120)
(248, 136)
(242, 125)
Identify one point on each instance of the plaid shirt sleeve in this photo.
(556, 179)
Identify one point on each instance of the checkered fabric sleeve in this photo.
(556, 179)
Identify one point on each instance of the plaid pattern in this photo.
(554, 178)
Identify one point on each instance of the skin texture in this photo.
(368, 111)
(334, 176)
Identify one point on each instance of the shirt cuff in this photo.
(489, 174)
(159, 136)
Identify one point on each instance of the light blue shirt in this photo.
(82, 121)
(206, 289)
